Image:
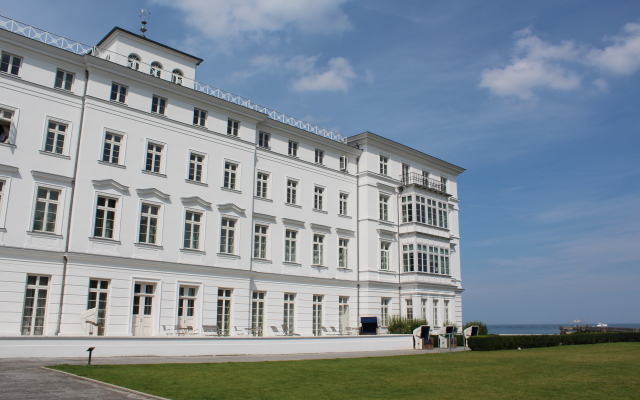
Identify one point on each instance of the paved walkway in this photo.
(22, 378)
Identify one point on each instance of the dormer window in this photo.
(134, 61)
(176, 76)
(156, 69)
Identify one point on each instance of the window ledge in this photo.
(263, 147)
(204, 128)
(228, 255)
(120, 103)
(293, 205)
(231, 190)
(293, 264)
(319, 266)
(11, 145)
(112, 164)
(104, 240)
(45, 234)
(193, 251)
(344, 269)
(320, 211)
(386, 271)
(262, 260)
(158, 114)
(144, 171)
(48, 153)
(196, 182)
(11, 75)
(344, 216)
(263, 199)
(150, 246)
(63, 90)
(3, 230)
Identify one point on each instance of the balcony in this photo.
(425, 182)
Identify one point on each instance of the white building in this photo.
(127, 186)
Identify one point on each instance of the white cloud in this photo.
(219, 19)
(338, 77)
(537, 64)
(601, 85)
(623, 56)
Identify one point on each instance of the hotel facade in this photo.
(129, 187)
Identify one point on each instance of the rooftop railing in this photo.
(413, 178)
(83, 49)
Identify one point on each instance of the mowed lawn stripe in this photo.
(565, 372)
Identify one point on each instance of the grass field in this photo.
(598, 371)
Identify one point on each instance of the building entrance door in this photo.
(186, 306)
(143, 294)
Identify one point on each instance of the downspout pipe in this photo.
(358, 237)
(65, 257)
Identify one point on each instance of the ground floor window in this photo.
(289, 312)
(384, 311)
(224, 311)
(409, 308)
(35, 305)
(98, 296)
(435, 313)
(446, 311)
(257, 313)
(343, 314)
(187, 306)
(317, 315)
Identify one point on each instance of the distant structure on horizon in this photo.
(130, 189)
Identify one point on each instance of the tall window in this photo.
(192, 228)
(442, 215)
(288, 320)
(257, 313)
(227, 235)
(444, 261)
(158, 105)
(435, 313)
(343, 253)
(407, 257)
(318, 249)
(409, 308)
(319, 156)
(10, 64)
(232, 127)
(434, 267)
(196, 164)
(111, 148)
(425, 311)
(292, 191)
(56, 134)
(317, 315)
(98, 295)
(187, 296)
(421, 209)
(407, 209)
(156, 69)
(290, 245)
(384, 311)
(105, 217)
(443, 182)
(344, 200)
(176, 77)
(35, 305)
(446, 311)
(2, 196)
(384, 165)
(118, 93)
(384, 207)
(263, 140)
(148, 224)
(260, 242)
(261, 185)
(432, 212)
(46, 213)
(6, 119)
(199, 117)
(230, 172)
(384, 255)
(344, 163)
(224, 311)
(154, 157)
(64, 80)
(318, 197)
(405, 172)
(134, 61)
(293, 148)
(343, 314)
(422, 258)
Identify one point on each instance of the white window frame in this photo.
(163, 156)
(264, 140)
(13, 124)
(317, 314)
(261, 241)
(262, 184)
(59, 213)
(37, 287)
(123, 146)
(67, 135)
(115, 219)
(236, 174)
(407, 208)
(319, 157)
(385, 303)
(384, 207)
(343, 253)
(409, 308)
(408, 258)
(318, 197)
(318, 251)
(287, 246)
(160, 108)
(435, 313)
(293, 148)
(159, 225)
(203, 164)
(343, 205)
(344, 163)
(133, 61)
(201, 233)
(199, 117)
(225, 295)
(12, 58)
(292, 192)
(155, 69)
(385, 246)
(224, 249)
(289, 313)
(64, 81)
(233, 127)
(258, 312)
(99, 290)
(120, 98)
(177, 76)
(384, 165)
(4, 198)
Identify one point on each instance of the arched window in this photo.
(156, 69)
(134, 61)
(176, 76)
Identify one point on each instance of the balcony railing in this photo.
(83, 49)
(413, 178)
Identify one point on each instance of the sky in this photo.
(538, 100)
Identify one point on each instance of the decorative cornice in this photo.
(195, 199)
(386, 232)
(293, 222)
(230, 207)
(345, 232)
(105, 183)
(51, 177)
(265, 218)
(382, 186)
(153, 192)
(8, 169)
(318, 227)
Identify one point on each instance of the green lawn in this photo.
(598, 371)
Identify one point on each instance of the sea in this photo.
(540, 329)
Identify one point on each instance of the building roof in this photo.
(118, 29)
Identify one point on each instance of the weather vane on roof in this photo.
(144, 14)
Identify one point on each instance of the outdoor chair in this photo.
(169, 330)
(327, 332)
(239, 331)
(288, 332)
(335, 331)
(277, 332)
(210, 330)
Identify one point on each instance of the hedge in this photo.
(496, 342)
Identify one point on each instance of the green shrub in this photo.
(482, 327)
(399, 324)
(496, 342)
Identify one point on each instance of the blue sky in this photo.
(539, 100)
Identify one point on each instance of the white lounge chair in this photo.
(277, 332)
